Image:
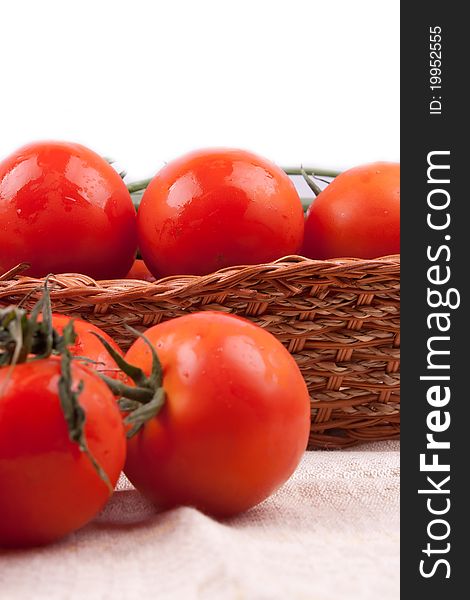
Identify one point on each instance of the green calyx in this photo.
(24, 339)
(144, 400)
(73, 412)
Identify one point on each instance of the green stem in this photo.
(311, 171)
(311, 184)
(138, 186)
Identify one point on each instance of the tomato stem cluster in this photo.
(144, 400)
(23, 338)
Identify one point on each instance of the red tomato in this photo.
(218, 208)
(89, 346)
(48, 487)
(357, 215)
(235, 421)
(139, 270)
(63, 209)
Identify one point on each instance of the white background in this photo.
(312, 82)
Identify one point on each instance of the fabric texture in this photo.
(330, 533)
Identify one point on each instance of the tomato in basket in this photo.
(140, 271)
(234, 421)
(218, 208)
(50, 487)
(357, 215)
(64, 209)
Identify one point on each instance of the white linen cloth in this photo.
(330, 533)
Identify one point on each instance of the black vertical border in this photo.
(420, 134)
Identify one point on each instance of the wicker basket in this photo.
(340, 319)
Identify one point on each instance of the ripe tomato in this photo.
(357, 215)
(235, 421)
(48, 486)
(139, 270)
(63, 208)
(217, 208)
(89, 346)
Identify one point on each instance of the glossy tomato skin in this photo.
(63, 208)
(217, 208)
(357, 215)
(236, 419)
(87, 345)
(48, 487)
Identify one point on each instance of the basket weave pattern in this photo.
(340, 319)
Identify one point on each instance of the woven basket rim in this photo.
(292, 264)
